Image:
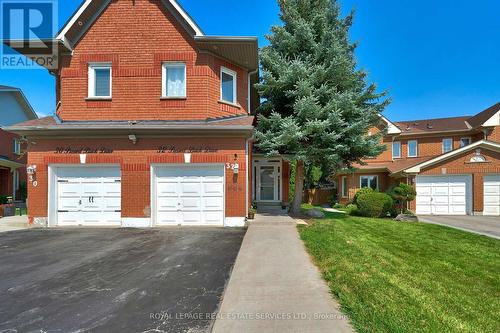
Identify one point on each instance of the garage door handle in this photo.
(63, 211)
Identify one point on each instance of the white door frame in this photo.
(155, 166)
(278, 185)
(52, 194)
(468, 190)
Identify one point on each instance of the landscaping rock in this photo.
(315, 213)
(406, 218)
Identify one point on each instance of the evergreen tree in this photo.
(317, 106)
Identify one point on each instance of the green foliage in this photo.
(338, 205)
(352, 209)
(364, 190)
(317, 105)
(376, 204)
(402, 194)
(3, 199)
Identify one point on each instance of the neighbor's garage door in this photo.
(88, 196)
(189, 195)
(491, 195)
(443, 195)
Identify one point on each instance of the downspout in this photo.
(247, 194)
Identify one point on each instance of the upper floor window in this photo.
(228, 85)
(368, 181)
(412, 148)
(447, 145)
(396, 149)
(100, 80)
(174, 80)
(464, 142)
(16, 146)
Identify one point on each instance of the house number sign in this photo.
(83, 150)
(191, 149)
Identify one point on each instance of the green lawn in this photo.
(408, 277)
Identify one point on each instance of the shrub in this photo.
(374, 204)
(3, 199)
(352, 209)
(402, 194)
(364, 190)
(338, 205)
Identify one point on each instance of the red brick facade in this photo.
(7, 150)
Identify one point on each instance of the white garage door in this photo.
(492, 195)
(443, 195)
(88, 196)
(189, 195)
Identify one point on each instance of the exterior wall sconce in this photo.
(132, 138)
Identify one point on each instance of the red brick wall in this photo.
(461, 165)
(494, 135)
(353, 182)
(135, 161)
(136, 37)
(7, 150)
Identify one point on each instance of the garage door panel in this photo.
(191, 217)
(491, 195)
(442, 195)
(441, 200)
(68, 189)
(213, 203)
(68, 218)
(191, 203)
(440, 190)
(167, 203)
(68, 203)
(165, 218)
(167, 189)
(424, 190)
(492, 200)
(190, 188)
(214, 218)
(213, 189)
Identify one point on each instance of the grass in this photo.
(408, 277)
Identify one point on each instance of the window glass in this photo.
(227, 82)
(102, 82)
(412, 148)
(369, 181)
(464, 142)
(396, 149)
(176, 80)
(447, 145)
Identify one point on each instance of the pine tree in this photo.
(317, 106)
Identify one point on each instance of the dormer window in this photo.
(228, 85)
(173, 80)
(99, 80)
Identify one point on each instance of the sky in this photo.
(434, 58)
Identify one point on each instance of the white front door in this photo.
(443, 195)
(89, 196)
(491, 195)
(268, 182)
(189, 195)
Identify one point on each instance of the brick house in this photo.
(14, 108)
(153, 123)
(454, 163)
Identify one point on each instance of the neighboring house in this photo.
(153, 123)
(14, 108)
(454, 163)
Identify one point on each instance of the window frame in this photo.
(392, 147)
(344, 187)
(16, 146)
(367, 176)
(228, 71)
(164, 73)
(92, 66)
(416, 148)
(443, 145)
(467, 138)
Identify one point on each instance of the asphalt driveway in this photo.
(483, 225)
(114, 280)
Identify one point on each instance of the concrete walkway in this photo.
(11, 223)
(482, 225)
(274, 286)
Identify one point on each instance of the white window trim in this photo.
(91, 79)
(392, 148)
(361, 177)
(442, 145)
(344, 187)
(17, 146)
(235, 79)
(416, 148)
(164, 66)
(465, 137)
(16, 180)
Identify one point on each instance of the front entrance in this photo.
(267, 181)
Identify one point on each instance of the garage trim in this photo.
(154, 167)
(52, 186)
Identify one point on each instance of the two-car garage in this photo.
(181, 194)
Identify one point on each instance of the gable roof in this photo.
(89, 10)
(483, 116)
(21, 98)
(391, 127)
(478, 144)
(433, 125)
